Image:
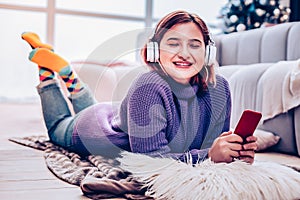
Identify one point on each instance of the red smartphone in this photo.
(247, 123)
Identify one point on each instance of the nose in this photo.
(184, 52)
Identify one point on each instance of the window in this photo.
(207, 10)
(77, 29)
(40, 3)
(18, 76)
(133, 8)
(85, 34)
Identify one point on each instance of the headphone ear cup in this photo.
(156, 52)
(152, 52)
(210, 54)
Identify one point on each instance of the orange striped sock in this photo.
(48, 59)
(45, 74)
(34, 41)
(71, 80)
(52, 61)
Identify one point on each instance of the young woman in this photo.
(179, 109)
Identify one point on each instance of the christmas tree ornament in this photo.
(260, 12)
(256, 24)
(233, 18)
(263, 2)
(276, 12)
(248, 2)
(241, 27)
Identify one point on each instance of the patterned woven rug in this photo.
(98, 177)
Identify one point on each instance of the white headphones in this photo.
(210, 52)
(152, 52)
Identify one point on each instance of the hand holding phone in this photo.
(247, 123)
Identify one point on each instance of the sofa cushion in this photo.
(274, 43)
(228, 49)
(293, 42)
(265, 139)
(218, 43)
(249, 45)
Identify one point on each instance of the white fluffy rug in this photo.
(169, 179)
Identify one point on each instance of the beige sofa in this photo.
(249, 60)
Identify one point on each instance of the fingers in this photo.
(234, 138)
(247, 156)
(228, 156)
(251, 143)
(234, 154)
(235, 146)
(226, 133)
(251, 138)
(250, 146)
(248, 153)
(249, 160)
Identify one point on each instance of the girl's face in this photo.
(182, 52)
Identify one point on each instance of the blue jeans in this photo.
(57, 115)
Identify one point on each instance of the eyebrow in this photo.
(191, 40)
(173, 39)
(196, 40)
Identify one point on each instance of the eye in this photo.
(173, 44)
(195, 45)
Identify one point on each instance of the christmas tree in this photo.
(240, 15)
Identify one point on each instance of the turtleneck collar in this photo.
(182, 91)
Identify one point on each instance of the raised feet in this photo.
(48, 59)
(34, 41)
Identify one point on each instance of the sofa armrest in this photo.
(108, 83)
(101, 80)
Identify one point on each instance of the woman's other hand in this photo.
(226, 147)
(247, 153)
(229, 146)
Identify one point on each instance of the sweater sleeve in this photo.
(147, 120)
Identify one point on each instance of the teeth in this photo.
(182, 64)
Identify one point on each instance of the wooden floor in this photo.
(23, 172)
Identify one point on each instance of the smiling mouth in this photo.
(182, 64)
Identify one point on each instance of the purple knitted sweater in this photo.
(158, 117)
